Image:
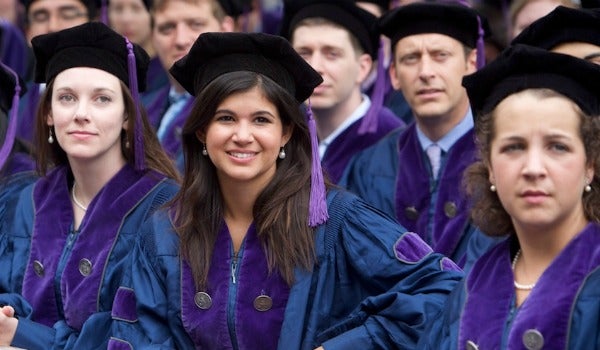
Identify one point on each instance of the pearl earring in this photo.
(282, 153)
(204, 151)
(493, 188)
(50, 138)
(587, 188)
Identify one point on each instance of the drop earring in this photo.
(493, 188)
(50, 138)
(204, 151)
(127, 144)
(587, 188)
(282, 153)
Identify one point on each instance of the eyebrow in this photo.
(591, 56)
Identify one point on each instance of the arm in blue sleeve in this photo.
(408, 283)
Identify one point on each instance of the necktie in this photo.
(434, 152)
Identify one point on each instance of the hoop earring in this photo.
(204, 151)
(50, 138)
(493, 188)
(282, 153)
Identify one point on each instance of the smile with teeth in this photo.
(241, 155)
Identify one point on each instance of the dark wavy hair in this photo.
(50, 155)
(281, 209)
(487, 211)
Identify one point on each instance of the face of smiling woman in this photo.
(88, 115)
(244, 138)
(538, 162)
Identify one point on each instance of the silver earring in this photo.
(587, 188)
(282, 153)
(50, 138)
(126, 143)
(204, 151)
(493, 188)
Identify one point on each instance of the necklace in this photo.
(77, 203)
(517, 284)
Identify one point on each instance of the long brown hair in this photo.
(487, 211)
(50, 155)
(280, 211)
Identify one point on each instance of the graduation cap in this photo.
(359, 22)
(522, 67)
(452, 19)
(562, 25)
(12, 88)
(214, 54)
(91, 5)
(95, 45)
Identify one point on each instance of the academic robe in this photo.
(561, 311)
(62, 282)
(374, 286)
(349, 142)
(394, 175)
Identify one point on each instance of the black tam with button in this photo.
(214, 54)
(345, 13)
(562, 25)
(524, 67)
(92, 45)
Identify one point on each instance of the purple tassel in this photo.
(104, 12)
(11, 130)
(317, 210)
(370, 120)
(133, 86)
(480, 45)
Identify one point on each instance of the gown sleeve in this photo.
(407, 283)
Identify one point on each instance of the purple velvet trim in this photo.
(172, 140)
(20, 162)
(11, 130)
(349, 142)
(138, 133)
(124, 305)
(449, 265)
(413, 190)
(410, 248)
(118, 344)
(253, 329)
(98, 232)
(547, 309)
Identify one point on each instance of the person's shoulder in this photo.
(158, 236)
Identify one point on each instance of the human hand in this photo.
(320, 348)
(8, 325)
(9, 311)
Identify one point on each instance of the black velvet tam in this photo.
(454, 20)
(91, 45)
(345, 13)
(562, 25)
(214, 54)
(522, 67)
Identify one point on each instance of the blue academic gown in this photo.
(561, 312)
(10, 190)
(62, 282)
(394, 175)
(349, 142)
(374, 286)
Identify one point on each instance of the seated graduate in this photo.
(256, 251)
(103, 173)
(537, 121)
